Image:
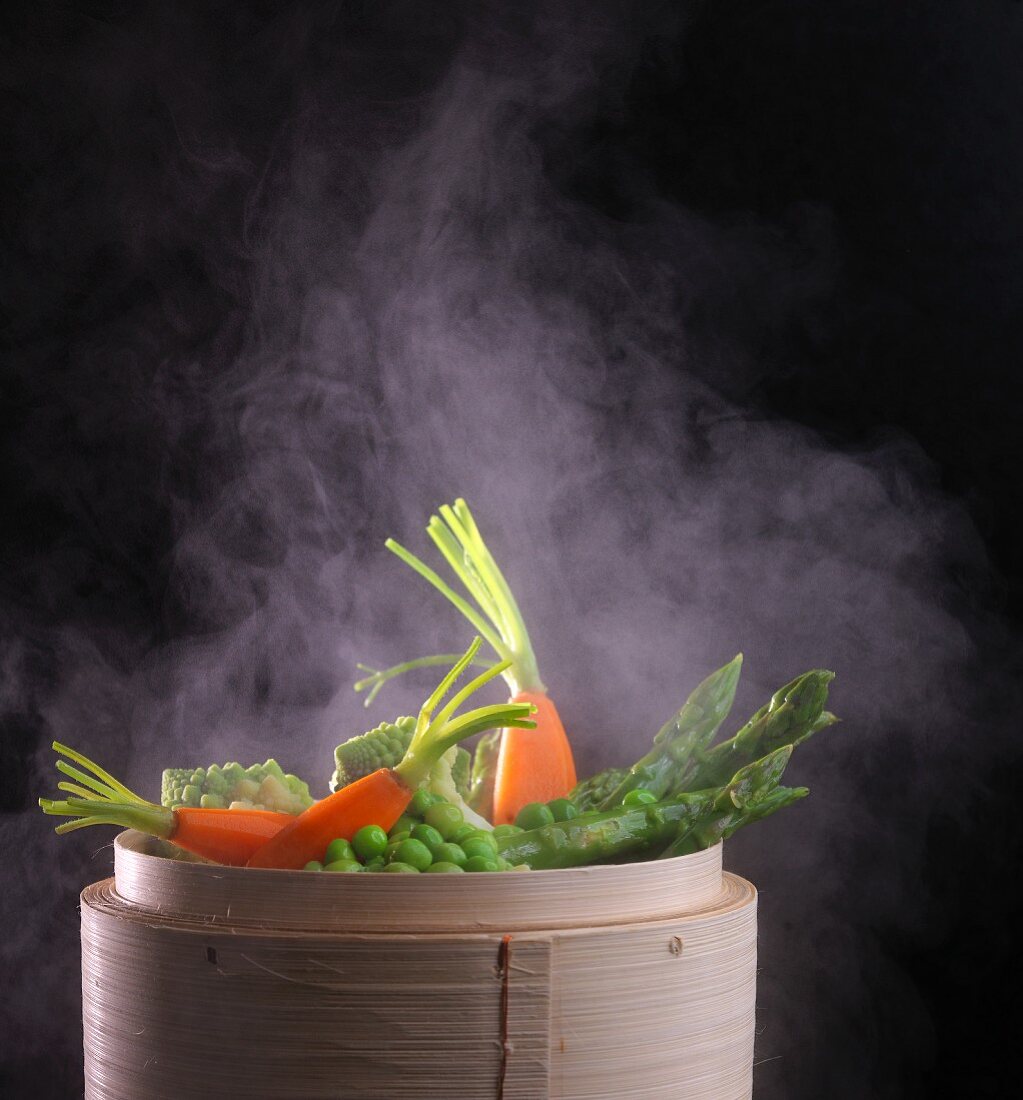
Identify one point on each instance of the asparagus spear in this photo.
(679, 743)
(758, 798)
(794, 713)
(613, 833)
(720, 826)
(590, 793)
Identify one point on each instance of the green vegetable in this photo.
(638, 796)
(680, 742)
(313, 865)
(413, 852)
(533, 815)
(721, 824)
(401, 869)
(563, 809)
(794, 713)
(338, 849)
(476, 846)
(445, 818)
(369, 842)
(480, 863)
(484, 771)
(382, 747)
(344, 865)
(379, 676)
(442, 868)
(261, 786)
(449, 853)
(619, 832)
(591, 793)
(428, 835)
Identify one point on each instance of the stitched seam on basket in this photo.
(504, 966)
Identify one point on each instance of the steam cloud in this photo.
(415, 309)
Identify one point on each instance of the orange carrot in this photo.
(380, 797)
(227, 836)
(532, 767)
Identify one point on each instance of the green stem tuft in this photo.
(99, 799)
(436, 732)
(379, 676)
(496, 615)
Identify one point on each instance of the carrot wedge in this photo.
(533, 765)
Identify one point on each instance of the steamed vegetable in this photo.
(619, 832)
(680, 742)
(794, 713)
(380, 797)
(589, 794)
(226, 836)
(383, 747)
(261, 786)
(484, 770)
(534, 764)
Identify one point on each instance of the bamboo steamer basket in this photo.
(636, 980)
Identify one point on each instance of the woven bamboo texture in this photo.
(209, 981)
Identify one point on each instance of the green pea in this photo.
(376, 864)
(480, 863)
(506, 830)
(533, 815)
(338, 849)
(449, 853)
(402, 825)
(313, 865)
(428, 835)
(421, 802)
(445, 818)
(397, 868)
(564, 809)
(477, 846)
(638, 796)
(413, 852)
(462, 832)
(369, 842)
(344, 865)
(443, 867)
(486, 835)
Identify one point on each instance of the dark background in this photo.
(878, 143)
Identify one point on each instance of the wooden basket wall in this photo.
(601, 982)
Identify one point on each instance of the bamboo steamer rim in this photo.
(149, 880)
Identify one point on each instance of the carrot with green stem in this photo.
(226, 836)
(534, 765)
(381, 797)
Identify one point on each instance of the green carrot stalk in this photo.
(379, 676)
(680, 741)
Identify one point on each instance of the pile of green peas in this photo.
(432, 837)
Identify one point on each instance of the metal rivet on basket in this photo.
(675, 945)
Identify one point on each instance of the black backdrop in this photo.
(829, 197)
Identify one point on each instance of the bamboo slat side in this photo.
(507, 902)
(653, 1010)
